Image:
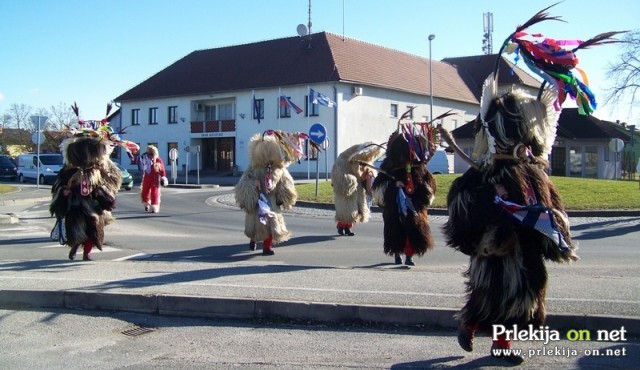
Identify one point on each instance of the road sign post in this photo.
(317, 134)
(616, 146)
(173, 156)
(37, 138)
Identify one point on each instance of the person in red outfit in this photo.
(154, 177)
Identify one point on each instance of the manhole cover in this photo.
(137, 331)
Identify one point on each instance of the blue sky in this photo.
(89, 51)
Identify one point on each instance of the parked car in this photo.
(437, 165)
(8, 168)
(50, 165)
(127, 179)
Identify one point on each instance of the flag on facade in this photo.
(318, 98)
(256, 108)
(285, 101)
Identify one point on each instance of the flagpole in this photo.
(308, 129)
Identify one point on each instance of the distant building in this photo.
(204, 102)
(582, 147)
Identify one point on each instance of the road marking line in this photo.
(129, 257)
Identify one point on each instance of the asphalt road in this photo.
(203, 226)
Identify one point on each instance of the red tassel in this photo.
(408, 186)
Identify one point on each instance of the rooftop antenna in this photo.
(487, 41)
(309, 24)
(305, 31)
(302, 30)
(342, 20)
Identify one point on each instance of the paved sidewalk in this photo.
(253, 289)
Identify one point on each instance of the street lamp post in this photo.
(37, 138)
(431, 37)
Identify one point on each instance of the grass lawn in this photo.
(4, 189)
(577, 193)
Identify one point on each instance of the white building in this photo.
(204, 101)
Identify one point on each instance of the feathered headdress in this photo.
(421, 137)
(291, 144)
(555, 61)
(519, 125)
(100, 129)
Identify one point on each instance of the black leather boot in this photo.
(72, 252)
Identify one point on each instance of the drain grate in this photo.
(136, 331)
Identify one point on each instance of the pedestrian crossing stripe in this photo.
(105, 248)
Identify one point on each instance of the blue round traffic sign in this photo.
(318, 133)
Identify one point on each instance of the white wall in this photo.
(360, 119)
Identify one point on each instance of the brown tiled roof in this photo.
(369, 64)
(298, 61)
(577, 126)
(571, 125)
(477, 68)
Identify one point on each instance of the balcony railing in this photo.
(200, 127)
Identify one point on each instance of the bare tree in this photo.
(625, 74)
(60, 116)
(18, 117)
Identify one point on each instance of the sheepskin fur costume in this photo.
(404, 234)
(84, 193)
(505, 212)
(507, 216)
(266, 174)
(346, 179)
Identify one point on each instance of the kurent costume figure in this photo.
(266, 187)
(351, 179)
(504, 212)
(154, 177)
(405, 189)
(84, 193)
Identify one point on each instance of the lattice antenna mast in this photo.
(487, 40)
(309, 24)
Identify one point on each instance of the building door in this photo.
(218, 154)
(559, 161)
(226, 153)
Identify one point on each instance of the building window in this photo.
(285, 109)
(210, 112)
(591, 162)
(225, 111)
(313, 110)
(258, 109)
(153, 116)
(135, 117)
(394, 111)
(575, 161)
(173, 114)
(410, 110)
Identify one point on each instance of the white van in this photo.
(50, 165)
(437, 165)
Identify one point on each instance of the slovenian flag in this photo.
(318, 98)
(285, 101)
